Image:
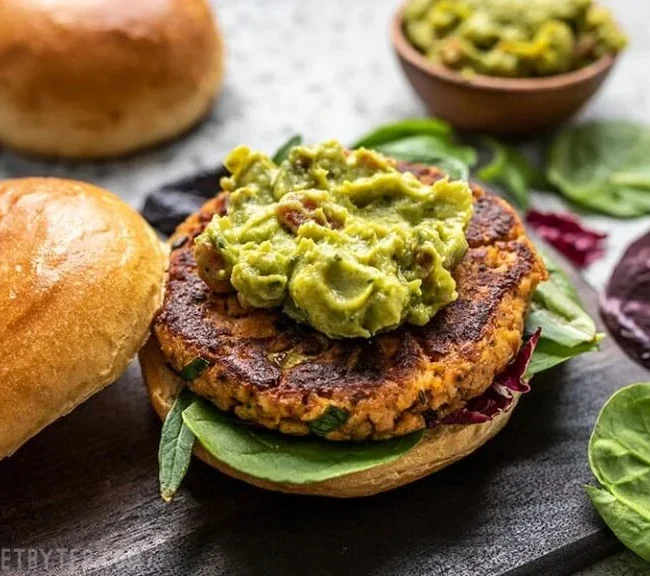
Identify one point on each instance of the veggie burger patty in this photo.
(268, 369)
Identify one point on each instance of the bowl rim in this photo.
(408, 52)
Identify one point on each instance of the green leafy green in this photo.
(282, 152)
(454, 168)
(619, 456)
(567, 329)
(427, 141)
(560, 279)
(604, 166)
(399, 130)
(549, 354)
(282, 458)
(630, 527)
(328, 421)
(427, 149)
(637, 179)
(561, 318)
(512, 170)
(192, 370)
(175, 451)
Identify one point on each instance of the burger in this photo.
(339, 323)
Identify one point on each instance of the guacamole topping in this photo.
(513, 38)
(340, 239)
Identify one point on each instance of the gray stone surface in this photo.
(325, 68)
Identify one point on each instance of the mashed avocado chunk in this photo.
(340, 239)
(515, 38)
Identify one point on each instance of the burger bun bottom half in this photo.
(440, 446)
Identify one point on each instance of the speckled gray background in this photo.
(325, 68)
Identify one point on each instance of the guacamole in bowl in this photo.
(512, 38)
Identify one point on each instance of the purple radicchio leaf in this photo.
(166, 207)
(568, 235)
(625, 305)
(500, 396)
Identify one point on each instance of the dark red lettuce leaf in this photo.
(500, 396)
(625, 305)
(568, 235)
(167, 206)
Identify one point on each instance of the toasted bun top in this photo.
(81, 276)
(440, 446)
(84, 78)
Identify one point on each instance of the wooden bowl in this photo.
(500, 106)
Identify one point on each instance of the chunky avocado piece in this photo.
(340, 239)
(512, 38)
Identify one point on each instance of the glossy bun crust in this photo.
(99, 78)
(81, 276)
(440, 447)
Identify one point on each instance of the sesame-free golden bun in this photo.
(440, 447)
(101, 78)
(81, 276)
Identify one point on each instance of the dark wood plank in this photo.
(517, 506)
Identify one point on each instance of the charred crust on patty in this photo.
(270, 370)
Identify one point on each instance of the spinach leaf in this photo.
(403, 129)
(282, 152)
(639, 178)
(619, 456)
(560, 279)
(561, 319)
(629, 526)
(556, 309)
(328, 421)
(194, 368)
(512, 170)
(427, 149)
(567, 329)
(549, 354)
(604, 166)
(428, 141)
(454, 168)
(176, 443)
(282, 458)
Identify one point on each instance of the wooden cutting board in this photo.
(85, 492)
